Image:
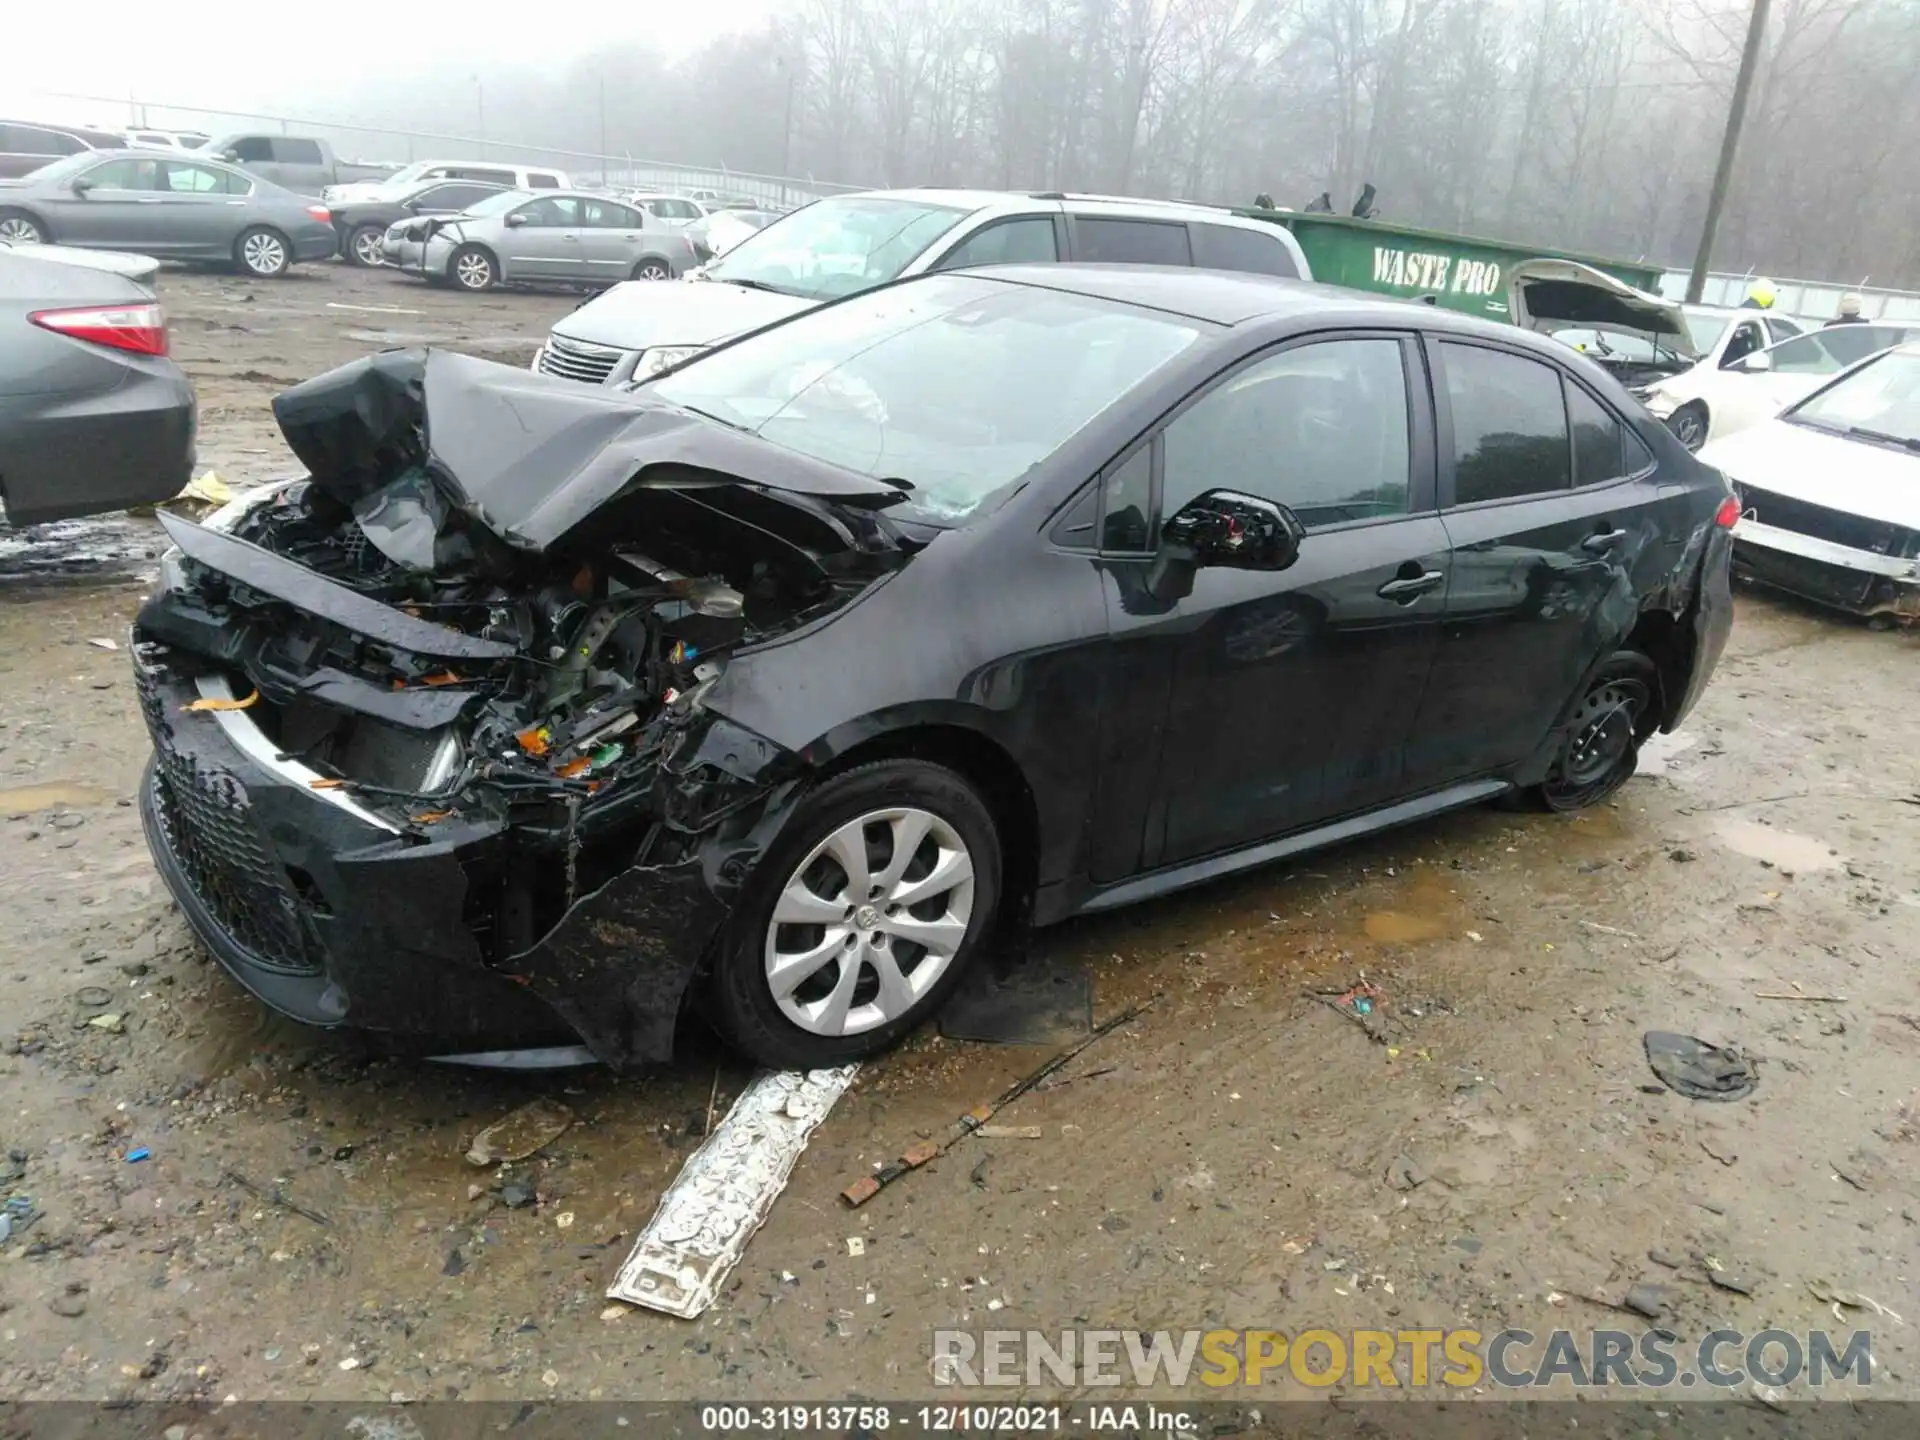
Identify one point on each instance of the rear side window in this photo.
(542, 180)
(605, 215)
(184, 179)
(1101, 240)
(1509, 425)
(298, 152)
(1011, 242)
(482, 174)
(1599, 439)
(1227, 247)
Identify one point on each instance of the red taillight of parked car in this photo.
(321, 213)
(1728, 515)
(139, 328)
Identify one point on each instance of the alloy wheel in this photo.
(867, 924)
(473, 271)
(652, 270)
(366, 247)
(264, 254)
(1689, 429)
(19, 230)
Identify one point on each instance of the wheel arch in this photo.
(9, 208)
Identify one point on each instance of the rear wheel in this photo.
(860, 918)
(19, 228)
(264, 253)
(652, 269)
(1689, 424)
(1618, 710)
(363, 246)
(473, 267)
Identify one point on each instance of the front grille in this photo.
(1838, 526)
(576, 360)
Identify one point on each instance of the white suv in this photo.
(849, 243)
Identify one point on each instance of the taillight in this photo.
(1728, 515)
(321, 213)
(140, 328)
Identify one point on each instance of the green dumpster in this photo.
(1461, 272)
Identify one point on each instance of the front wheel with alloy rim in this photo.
(473, 268)
(860, 918)
(19, 228)
(653, 270)
(263, 252)
(363, 245)
(1601, 744)
(1689, 424)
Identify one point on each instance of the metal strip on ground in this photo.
(725, 1191)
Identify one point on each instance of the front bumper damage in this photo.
(337, 916)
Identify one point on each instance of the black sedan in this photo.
(361, 226)
(1028, 592)
(93, 415)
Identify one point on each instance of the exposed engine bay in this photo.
(491, 610)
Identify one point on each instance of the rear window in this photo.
(1105, 241)
(1228, 247)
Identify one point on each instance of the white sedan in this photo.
(1712, 401)
(1830, 491)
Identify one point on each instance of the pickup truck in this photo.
(298, 163)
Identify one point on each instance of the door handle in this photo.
(1602, 541)
(1409, 588)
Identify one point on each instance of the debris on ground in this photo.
(1647, 1299)
(725, 1190)
(1031, 1002)
(137, 1154)
(1405, 1173)
(856, 1246)
(1728, 1280)
(101, 642)
(914, 1156)
(521, 1133)
(1698, 1070)
(1009, 1132)
(204, 492)
(273, 1195)
(1862, 1169)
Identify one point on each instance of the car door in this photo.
(204, 209)
(1290, 693)
(545, 244)
(612, 239)
(301, 165)
(114, 205)
(1558, 523)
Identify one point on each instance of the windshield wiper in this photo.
(709, 415)
(750, 284)
(1907, 442)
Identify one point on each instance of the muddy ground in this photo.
(1233, 1158)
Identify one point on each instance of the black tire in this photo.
(23, 228)
(652, 268)
(263, 252)
(745, 1010)
(1617, 711)
(473, 267)
(368, 236)
(1689, 425)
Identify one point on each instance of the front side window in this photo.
(1742, 343)
(1027, 240)
(1321, 429)
(1509, 425)
(836, 247)
(956, 385)
(552, 212)
(126, 175)
(1228, 247)
(250, 149)
(1101, 240)
(1126, 506)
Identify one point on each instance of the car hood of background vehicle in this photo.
(527, 455)
(639, 314)
(1567, 293)
(1821, 468)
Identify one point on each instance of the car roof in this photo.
(973, 201)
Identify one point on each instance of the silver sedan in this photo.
(525, 238)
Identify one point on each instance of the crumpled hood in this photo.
(1821, 468)
(639, 314)
(527, 455)
(1567, 293)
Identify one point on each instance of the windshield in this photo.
(836, 247)
(1704, 329)
(498, 204)
(955, 384)
(1879, 401)
(1828, 352)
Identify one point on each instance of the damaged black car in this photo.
(774, 690)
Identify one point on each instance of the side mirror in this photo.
(1757, 363)
(231, 156)
(516, 220)
(81, 186)
(1224, 528)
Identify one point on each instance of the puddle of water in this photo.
(26, 799)
(1778, 847)
(1397, 927)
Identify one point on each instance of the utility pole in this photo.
(480, 109)
(786, 132)
(603, 129)
(1729, 146)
